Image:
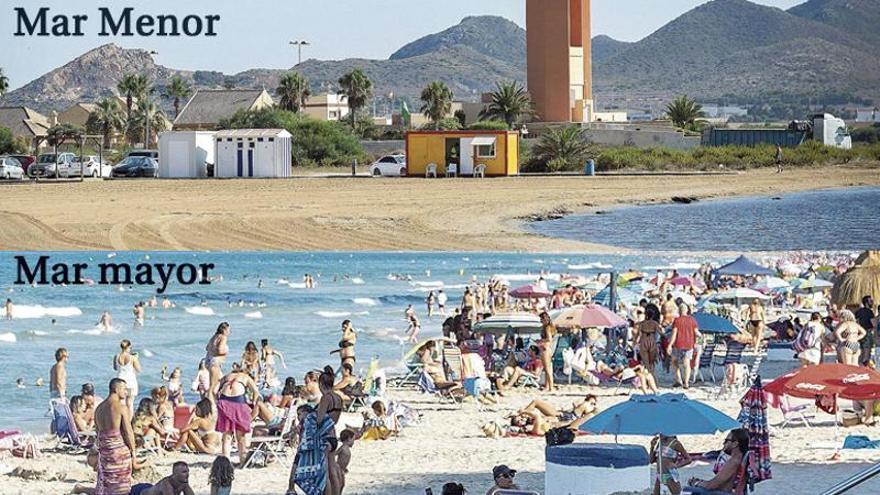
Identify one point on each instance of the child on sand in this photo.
(222, 474)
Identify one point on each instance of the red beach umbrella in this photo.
(594, 315)
(849, 382)
(530, 291)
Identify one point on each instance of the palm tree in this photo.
(178, 89)
(684, 111)
(563, 147)
(147, 122)
(107, 117)
(293, 90)
(436, 102)
(510, 103)
(132, 86)
(358, 88)
(4, 83)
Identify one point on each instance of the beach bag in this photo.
(559, 436)
(25, 447)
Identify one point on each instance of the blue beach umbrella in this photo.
(709, 323)
(624, 295)
(669, 414)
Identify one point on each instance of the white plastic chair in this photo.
(452, 170)
(431, 170)
(480, 171)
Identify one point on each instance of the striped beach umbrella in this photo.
(753, 417)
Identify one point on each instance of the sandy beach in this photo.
(353, 214)
(449, 446)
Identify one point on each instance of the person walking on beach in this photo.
(9, 308)
(215, 354)
(58, 375)
(127, 367)
(848, 335)
(865, 317)
(778, 158)
(115, 442)
(430, 303)
(346, 345)
(233, 411)
(681, 345)
(441, 302)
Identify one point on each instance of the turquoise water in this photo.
(303, 324)
(835, 219)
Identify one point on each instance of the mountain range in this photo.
(721, 49)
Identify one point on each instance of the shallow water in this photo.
(303, 324)
(836, 219)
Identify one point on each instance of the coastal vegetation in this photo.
(437, 103)
(509, 102)
(178, 90)
(293, 91)
(315, 142)
(684, 112)
(358, 89)
(106, 119)
(9, 144)
(4, 82)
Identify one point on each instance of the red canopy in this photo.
(848, 382)
(530, 291)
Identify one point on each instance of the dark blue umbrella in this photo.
(709, 323)
(743, 266)
(669, 414)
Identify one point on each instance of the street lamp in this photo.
(299, 46)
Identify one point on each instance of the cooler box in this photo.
(596, 469)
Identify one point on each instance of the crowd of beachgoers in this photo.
(496, 341)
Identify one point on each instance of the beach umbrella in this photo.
(594, 315)
(863, 279)
(631, 276)
(669, 414)
(567, 317)
(517, 323)
(829, 379)
(738, 294)
(624, 295)
(709, 323)
(771, 283)
(743, 266)
(530, 291)
(682, 281)
(753, 417)
(813, 285)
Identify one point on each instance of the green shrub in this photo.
(489, 125)
(315, 142)
(8, 143)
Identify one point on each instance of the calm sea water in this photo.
(303, 324)
(837, 219)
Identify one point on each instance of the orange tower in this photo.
(560, 66)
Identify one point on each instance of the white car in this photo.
(91, 167)
(10, 168)
(389, 166)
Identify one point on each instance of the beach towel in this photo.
(310, 467)
(860, 442)
(233, 417)
(114, 464)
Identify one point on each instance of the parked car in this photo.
(10, 168)
(389, 166)
(25, 161)
(92, 166)
(149, 153)
(136, 166)
(52, 165)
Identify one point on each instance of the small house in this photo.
(496, 153)
(207, 107)
(253, 153)
(185, 154)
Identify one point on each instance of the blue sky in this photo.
(255, 33)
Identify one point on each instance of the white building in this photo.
(868, 115)
(253, 153)
(185, 154)
(831, 131)
(330, 107)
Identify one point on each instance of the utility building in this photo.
(560, 67)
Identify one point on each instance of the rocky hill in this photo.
(722, 48)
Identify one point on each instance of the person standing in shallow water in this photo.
(779, 158)
(58, 375)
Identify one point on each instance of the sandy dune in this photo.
(350, 214)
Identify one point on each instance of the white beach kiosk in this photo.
(252, 153)
(185, 154)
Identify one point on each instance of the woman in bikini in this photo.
(346, 345)
(200, 435)
(539, 417)
(162, 407)
(549, 340)
(148, 431)
(331, 405)
(173, 386)
(647, 335)
(848, 334)
(233, 411)
(250, 360)
(756, 318)
(673, 456)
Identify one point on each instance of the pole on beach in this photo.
(354, 164)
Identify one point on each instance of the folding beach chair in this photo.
(452, 360)
(63, 426)
(266, 449)
(427, 385)
(706, 362)
(792, 414)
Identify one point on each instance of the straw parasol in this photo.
(863, 279)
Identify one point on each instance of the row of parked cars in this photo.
(137, 163)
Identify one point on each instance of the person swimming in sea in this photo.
(106, 322)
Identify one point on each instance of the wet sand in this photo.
(353, 214)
